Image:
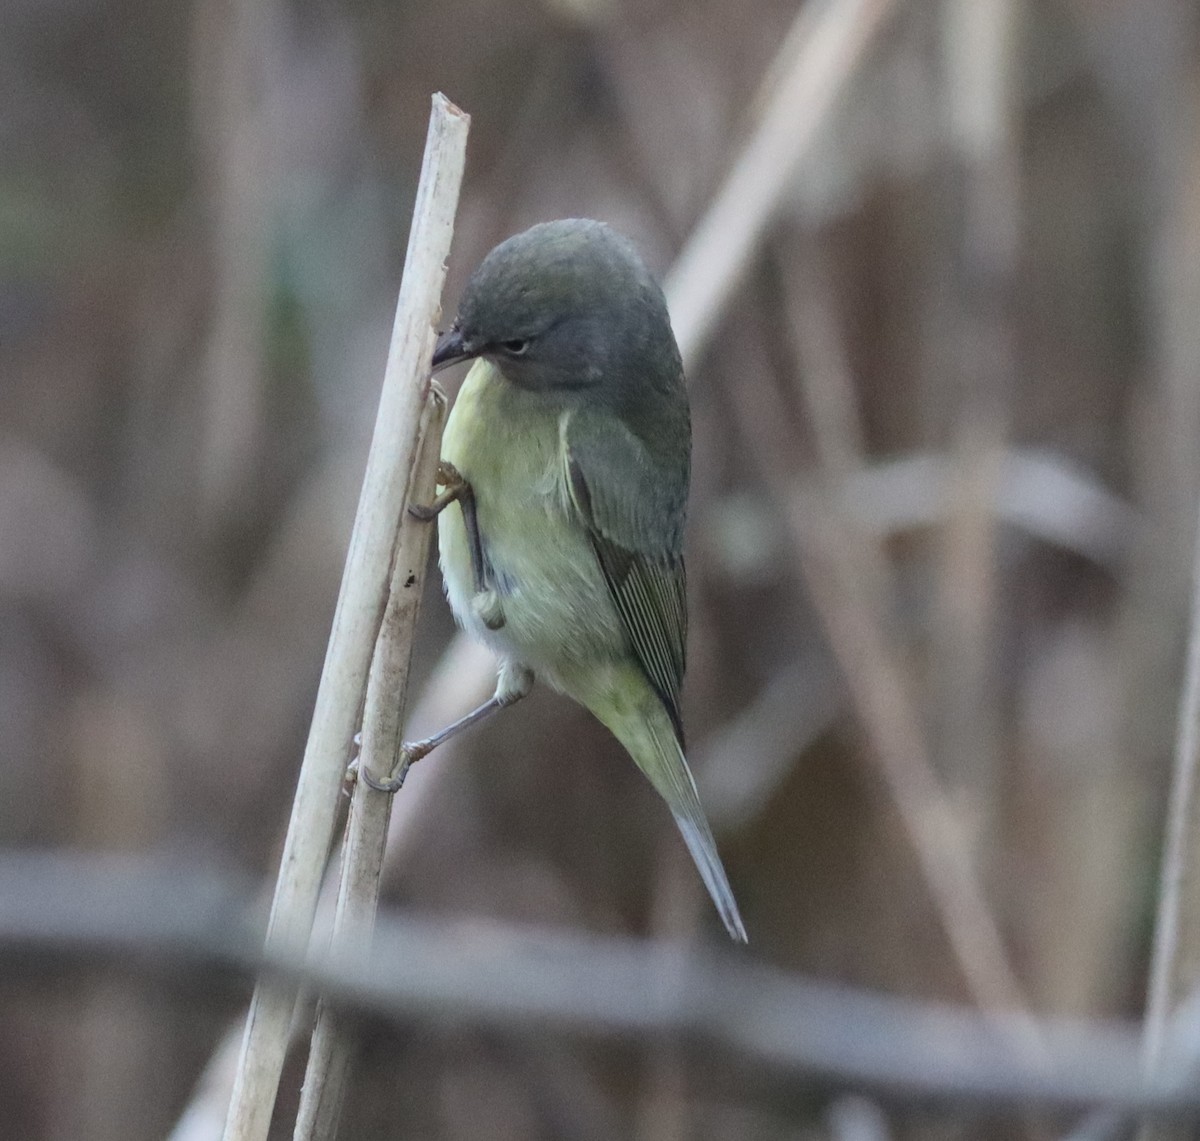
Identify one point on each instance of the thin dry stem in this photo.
(356, 620)
(831, 555)
(831, 402)
(1167, 972)
(234, 41)
(980, 54)
(1175, 957)
(848, 575)
(875, 680)
(370, 810)
(819, 56)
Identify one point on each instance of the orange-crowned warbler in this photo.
(568, 453)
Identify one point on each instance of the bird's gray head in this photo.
(565, 306)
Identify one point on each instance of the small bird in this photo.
(568, 451)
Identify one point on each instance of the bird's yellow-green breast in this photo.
(507, 444)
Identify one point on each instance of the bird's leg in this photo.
(459, 491)
(514, 683)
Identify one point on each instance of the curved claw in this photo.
(356, 771)
(390, 787)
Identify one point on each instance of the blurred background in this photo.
(947, 454)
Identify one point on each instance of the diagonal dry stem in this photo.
(815, 64)
(356, 620)
(361, 866)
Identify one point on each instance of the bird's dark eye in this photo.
(516, 348)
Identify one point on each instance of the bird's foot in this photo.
(487, 608)
(407, 757)
(449, 477)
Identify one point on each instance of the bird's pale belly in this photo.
(558, 616)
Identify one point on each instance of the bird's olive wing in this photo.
(633, 510)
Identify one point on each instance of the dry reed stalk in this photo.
(980, 51)
(1175, 955)
(361, 866)
(356, 620)
(232, 80)
(819, 56)
(1173, 963)
(848, 575)
(831, 555)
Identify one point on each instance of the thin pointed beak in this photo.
(449, 350)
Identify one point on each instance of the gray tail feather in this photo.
(674, 782)
(699, 839)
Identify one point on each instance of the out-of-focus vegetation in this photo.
(967, 353)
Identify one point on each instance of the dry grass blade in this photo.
(817, 59)
(875, 680)
(833, 556)
(235, 39)
(1168, 973)
(356, 620)
(1176, 947)
(847, 573)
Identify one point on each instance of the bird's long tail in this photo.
(650, 739)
